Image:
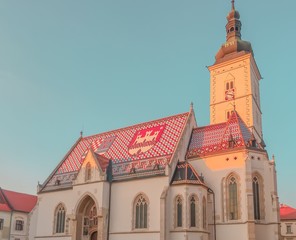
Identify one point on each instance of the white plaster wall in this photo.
(264, 232)
(214, 176)
(32, 223)
(4, 233)
(122, 199)
(235, 232)
(22, 235)
(70, 198)
(284, 224)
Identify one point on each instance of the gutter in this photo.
(109, 179)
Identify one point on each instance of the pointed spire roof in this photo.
(234, 44)
(185, 173)
(218, 137)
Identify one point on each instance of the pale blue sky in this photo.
(91, 65)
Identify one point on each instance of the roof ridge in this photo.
(135, 125)
(60, 164)
(5, 199)
(210, 125)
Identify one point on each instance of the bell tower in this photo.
(234, 79)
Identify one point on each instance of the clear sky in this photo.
(94, 65)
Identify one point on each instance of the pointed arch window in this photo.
(232, 195)
(141, 212)
(193, 206)
(179, 211)
(88, 172)
(256, 197)
(60, 215)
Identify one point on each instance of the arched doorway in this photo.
(87, 219)
(94, 236)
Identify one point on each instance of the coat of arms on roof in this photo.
(145, 139)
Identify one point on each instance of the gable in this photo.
(142, 147)
(92, 168)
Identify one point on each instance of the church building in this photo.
(170, 179)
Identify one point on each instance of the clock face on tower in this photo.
(229, 94)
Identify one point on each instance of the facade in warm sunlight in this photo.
(288, 222)
(16, 221)
(170, 178)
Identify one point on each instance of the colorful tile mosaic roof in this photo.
(216, 137)
(132, 146)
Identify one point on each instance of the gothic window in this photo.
(19, 225)
(141, 212)
(60, 215)
(289, 229)
(87, 172)
(256, 198)
(90, 219)
(232, 197)
(179, 209)
(229, 85)
(204, 213)
(228, 114)
(1, 223)
(193, 206)
(233, 208)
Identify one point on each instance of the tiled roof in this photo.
(287, 212)
(185, 173)
(4, 206)
(141, 146)
(216, 137)
(18, 201)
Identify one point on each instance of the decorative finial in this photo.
(232, 3)
(191, 106)
(81, 133)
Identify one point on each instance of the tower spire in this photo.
(234, 42)
(232, 5)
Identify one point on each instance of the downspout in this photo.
(212, 192)
(109, 179)
(11, 213)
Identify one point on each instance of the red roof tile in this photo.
(4, 207)
(19, 201)
(287, 212)
(216, 137)
(132, 146)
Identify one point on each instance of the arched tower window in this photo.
(204, 213)
(141, 212)
(179, 211)
(233, 198)
(87, 172)
(193, 210)
(256, 197)
(60, 216)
